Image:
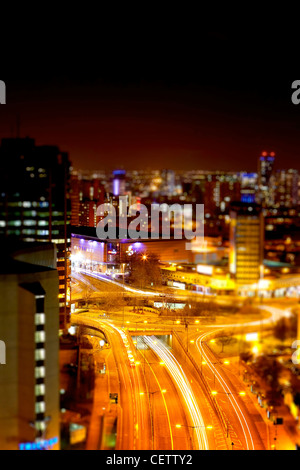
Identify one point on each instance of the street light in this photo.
(214, 363)
(178, 426)
(193, 427)
(123, 272)
(152, 393)
(242, 393)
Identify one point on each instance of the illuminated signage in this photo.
(39, 445)
(179, 285)
(204, 269)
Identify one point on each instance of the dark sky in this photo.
(211, 101)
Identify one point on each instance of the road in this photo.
(165, 402)
(240, 415)
(134, 416)
(179, 377)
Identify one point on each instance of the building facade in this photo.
(246, 244)
(29, 322)
(34, 205)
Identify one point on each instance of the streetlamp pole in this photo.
(193, 428)
(187, 336)
(123, 270)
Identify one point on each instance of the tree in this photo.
(280, 330)
(112, 299)
(246, 356)
(200, 308)
(144, 270)
(226, 340)
(286, 328)
(269, 369)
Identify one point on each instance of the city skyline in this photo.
(150, 229)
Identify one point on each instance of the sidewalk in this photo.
(279, 437)
(104, 415)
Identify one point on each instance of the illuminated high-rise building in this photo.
(248, 187)
(29, 319)
(168, 182)
(286, 188)
(119, 182)
(220, 191)
(34, 204)
(246, 243)
(265, 171)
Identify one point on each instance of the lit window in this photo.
(40, 425)
(40, 318)
(39, 372)
(40, 336)
(39, 390)
(40, 354)
(40, 407)
(29, 223)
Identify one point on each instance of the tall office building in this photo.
(33, 203)
(86, 194)
(220, 191)
(168, 182)
(119, 182)
(248, 187)
(265, 171)
(286, 188)
(29, 321)
(246, 243)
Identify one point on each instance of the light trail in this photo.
(129, 289)
(136, 389)
(165, 404)
(276, 314)
(183, 384)
(233, 401)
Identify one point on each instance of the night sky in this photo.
(206, 102)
